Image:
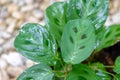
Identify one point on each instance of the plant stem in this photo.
(61, 63)
(109, 73)
(104, 66)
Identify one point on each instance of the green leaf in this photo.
(117, 77)
(108, 36)
(117, 65)
(81, 72)
(55, 19)
(78, 41)
(95, 10)
(59, 69)
(101, 73)
(37, 72)
(58, 78)
(36, 43)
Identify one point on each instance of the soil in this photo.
(108, 56)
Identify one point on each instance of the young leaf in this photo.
(101, 73)
(55, 19)
(36, 43)
(95, 10)
(81, 72)
(117, 65)
(37, 72)
(108, 36)
(78, 41)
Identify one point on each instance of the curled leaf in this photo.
(36, 43)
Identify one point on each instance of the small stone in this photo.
(2, 27)
(1, 41)
(14, 72)
(8, 45)
(1, 22)
(13, 58)
(3, 64)
(116, 18)
(3, 12)
(3, 75)
(12, 7)
(44, 6)
(32, 19)
(28, 1)
(29, 63)
(1, 50)
(20, 22)
(19, 2)
(27, 8)
(108, 22)
(5, 35)
(38, 14)
(4, 2)
(17, 15)
(42, 22)
(11, 25)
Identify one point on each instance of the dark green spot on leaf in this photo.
(75, 30)
(82, 47)
(83, 36)
(71, 39)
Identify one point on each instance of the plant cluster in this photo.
(74, 30)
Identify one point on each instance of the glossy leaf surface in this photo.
(117, 65)
(108, 36)
(81, 72)
(78, 41)
(36, 43)
(95, 10)
(37, 72)
(55, 19)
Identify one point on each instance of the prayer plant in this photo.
(74, 30)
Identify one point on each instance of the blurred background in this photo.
(14, 13)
